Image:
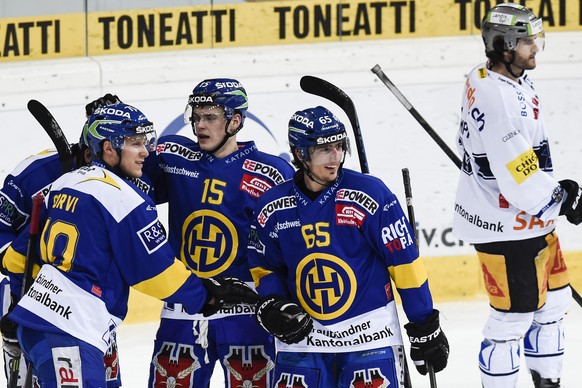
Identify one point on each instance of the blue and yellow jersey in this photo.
(211, 201)
(31, 176)
(103, 235)
(335, 255)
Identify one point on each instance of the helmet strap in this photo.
(227, 135)
(508, 66)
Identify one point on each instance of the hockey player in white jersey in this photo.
(100, 235)
(322, 251)
(508, 201)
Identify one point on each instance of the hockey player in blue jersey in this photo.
(211, 186)
(323, 250)
(101, 235)
(34, 175)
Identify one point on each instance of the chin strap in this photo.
(227, 136)
(508, 66)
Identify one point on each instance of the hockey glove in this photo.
(10, 344)
(106, 100)
(428, 344)
(284, 319)
(572, 206)
(226, 292)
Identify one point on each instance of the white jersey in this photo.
(506, 189)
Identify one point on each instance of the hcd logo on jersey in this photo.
(326, 285)
(369, 378)
(209, 242)
(248, 368)
(287, 380)
(174, 365)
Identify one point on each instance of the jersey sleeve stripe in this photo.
(166, 283)
(411, 275)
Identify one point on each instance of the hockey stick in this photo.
(412, 221)
(327, 90)
(53, 129)
(432, 133)
(447, 150)
(31, 256)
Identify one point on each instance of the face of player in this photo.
(324, 164)
(133, 154)
(210, 122)
(526, 50)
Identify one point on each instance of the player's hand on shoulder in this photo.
(284, 319)
(428, 344)
(572, 205)
(106, 100)
(226, 292)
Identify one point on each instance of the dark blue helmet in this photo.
(225, 92)
(115, 123)
(314, 127)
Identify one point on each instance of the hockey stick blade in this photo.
(53, 129)
(329, 91)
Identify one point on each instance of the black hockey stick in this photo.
(447, 150)
(53, 129)
(432, 133)
(325, 89)
(409, 207)
(412, 221)
(31, 256)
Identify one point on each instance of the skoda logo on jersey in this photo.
(209, 242)
(326, 286)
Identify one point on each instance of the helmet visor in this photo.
(147, 139)
(537, 41)
(328, 153)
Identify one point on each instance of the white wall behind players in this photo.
(430, 72)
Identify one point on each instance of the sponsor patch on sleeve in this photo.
(152, 236)
(524, 166)
(254, 242)
(10, 214)
(349, 215)
(253, 185)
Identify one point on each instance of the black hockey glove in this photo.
(226, 293)
(572, 206)
(428, 344)
(106, 100)
(10, 344)
(284, 319)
